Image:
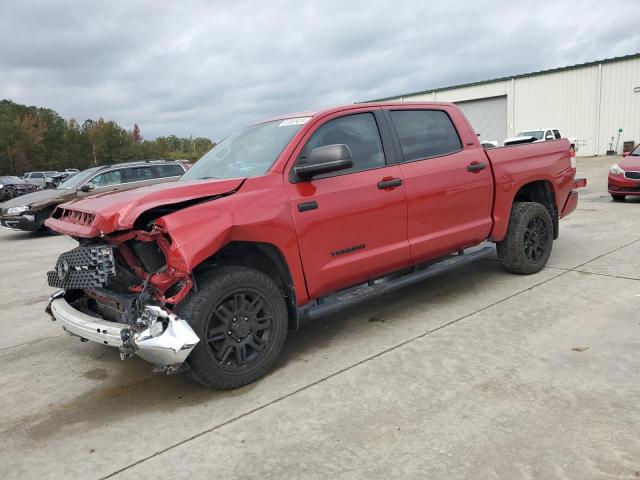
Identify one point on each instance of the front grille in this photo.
(74, 216)
(632, 175)
(83, 267)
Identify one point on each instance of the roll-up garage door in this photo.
(488, 116)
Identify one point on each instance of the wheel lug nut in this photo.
(229, 332)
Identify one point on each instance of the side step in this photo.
(361, 293)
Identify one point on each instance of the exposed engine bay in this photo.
(118, 290)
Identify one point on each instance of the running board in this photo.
(361, 293)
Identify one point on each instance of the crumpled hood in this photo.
(632, 162)
(119, 210)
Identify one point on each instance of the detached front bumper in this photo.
(163, 339)
(25, 222)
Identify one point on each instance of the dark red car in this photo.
(11, 187)
(624, 177)
(294, 218)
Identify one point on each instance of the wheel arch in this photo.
(264, 257)
(540, 191)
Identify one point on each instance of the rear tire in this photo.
(241, 318)
(618, 198)
(527, 245)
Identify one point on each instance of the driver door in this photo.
(351, 226)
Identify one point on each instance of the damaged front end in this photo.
(118, 290)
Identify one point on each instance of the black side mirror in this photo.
(329, 158)
(87, 187)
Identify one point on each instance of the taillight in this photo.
(572, 156)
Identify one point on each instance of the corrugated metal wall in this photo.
(620, 105)
(590, 103)
(488, 117)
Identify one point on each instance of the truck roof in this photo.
(353, 106)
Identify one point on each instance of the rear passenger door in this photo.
(449, 185)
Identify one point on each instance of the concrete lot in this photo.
(475, 374)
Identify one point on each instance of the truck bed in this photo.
(516, 165)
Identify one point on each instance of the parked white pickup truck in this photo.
(541, 135)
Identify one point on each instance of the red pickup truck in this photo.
(294, 218)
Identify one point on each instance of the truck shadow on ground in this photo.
(142, 394)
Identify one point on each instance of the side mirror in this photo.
(329, 158)
(549, 137)
(626, 154)
(87, 187)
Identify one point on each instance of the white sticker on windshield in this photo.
(294, 121)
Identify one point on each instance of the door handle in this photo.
(394, 182)
(306, 206)
(475, 167)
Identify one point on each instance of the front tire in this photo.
(527, 245)
(5, 194)
(241, 317)
(618, 198)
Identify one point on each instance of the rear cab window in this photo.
(359, 132)
(425, 134)
(556, 134)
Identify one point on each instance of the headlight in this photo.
(17, 210)
(1, 185)
(616, 170)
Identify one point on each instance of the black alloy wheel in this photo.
(535, 239)
(527, 245)
(241, 317)
(238, 329)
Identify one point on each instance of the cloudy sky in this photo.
(208, 67)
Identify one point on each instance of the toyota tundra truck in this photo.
(295, 218)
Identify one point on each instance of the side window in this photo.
(168, 170)
(359, 132)
(37, 175)
(138, 174)
(106, 179)
(425, 133)
(556, 134)
(548, 134)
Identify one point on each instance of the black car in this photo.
(11, 187)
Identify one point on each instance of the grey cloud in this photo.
(206, 68)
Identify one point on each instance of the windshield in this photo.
(636, 152)
(538, 134)
(247, 153)
(79, 178)
(10, 180)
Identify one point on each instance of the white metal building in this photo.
(590, 101)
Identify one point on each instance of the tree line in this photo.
(35, 138)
